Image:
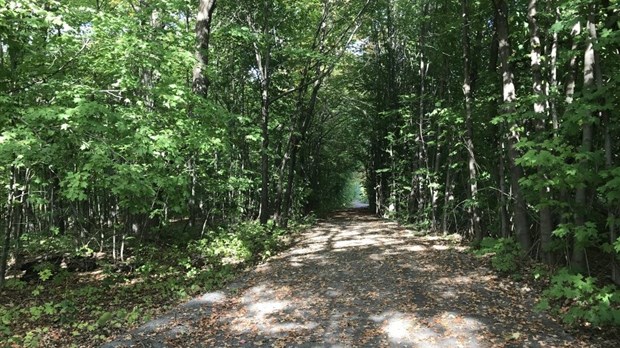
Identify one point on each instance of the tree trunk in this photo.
(422, 153)
(572, 71)
(578, 257)
(200, 85)
(474, 218)
(200, 80)
(553, 78)
(509, 96)
(264, 195)
(611, 214)
(8, 227)
(448, 197)
(306, 117)
(503, 202)
(545, 216)
(263, 61)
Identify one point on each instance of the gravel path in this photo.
(357, 281)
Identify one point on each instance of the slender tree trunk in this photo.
(422, 153)
(294, 139)
(535, 57)
(578, 257)
(545, 216)
(263, 61)
(474, 218)
(520, 208)
(501, 147)
(20, 215)
(448, 196)
(569, 93)
(503, 202)
(264, 195)
(200, 84)
(8, 227)
(612, 210)
(200, 80)
(611, 214)
(307, 113)
(553, 78)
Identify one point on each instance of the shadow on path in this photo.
(356, 280)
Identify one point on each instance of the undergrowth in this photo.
(69, 310)
(575, 298)
(505, 253)
(580, 299)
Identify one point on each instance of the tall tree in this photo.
(474, 218)
(200, 79)
(521, 225)
(540, 110)
(591, 81)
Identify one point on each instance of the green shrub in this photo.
(579, 299)
(7, 316)
(506, 253)
(44, 244)
(241, 243)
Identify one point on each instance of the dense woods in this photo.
(116, 125)
(497, 119)
(129, 122)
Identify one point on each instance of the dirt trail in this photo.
(355, 280)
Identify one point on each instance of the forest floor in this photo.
(356, 280)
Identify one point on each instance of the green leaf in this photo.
(104, 318)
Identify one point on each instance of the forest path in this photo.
(355, 280)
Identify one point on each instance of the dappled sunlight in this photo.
(305, 258)
(323, 238)
(448, 294)
(311, 249)
(265, 267)
(263, 308)
(270, 311)
(455, 280)
(333, 292)
(175, 321)
(296, 264)
(398, 326)
(443, 330)
(431, 238)
(413, 248)
(465, 279)
(344, 244)
(211, 297)
(129, 283)
(378, 257)
(356, 284)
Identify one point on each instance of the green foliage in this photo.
(578, 299)
(46, 272)
(103, 141)
(161, 275)
(104, 318)
(505, 253)
(50, 243)
(237, 244)
(7, 317)
(585, 235)
(33, 337)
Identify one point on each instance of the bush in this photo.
(242, 243)
(506, 253)
(579, 299)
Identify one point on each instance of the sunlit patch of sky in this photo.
(356, 47)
